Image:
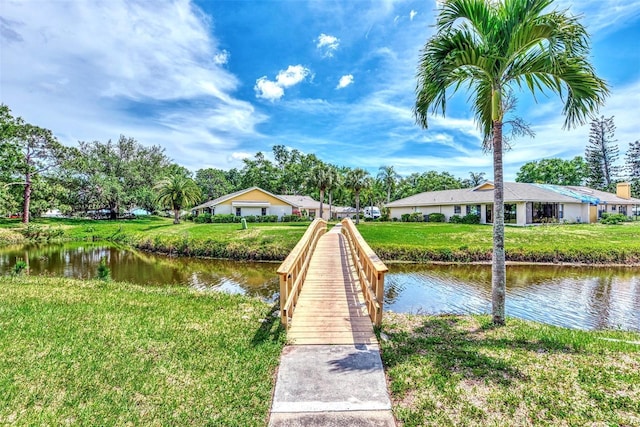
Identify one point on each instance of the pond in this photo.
(575, 297)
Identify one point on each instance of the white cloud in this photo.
(327, 44)
(267, 89)
(274, 90)
(345, 81)
(292, 75)
(222, 57)
(412, 14)
(149, 74)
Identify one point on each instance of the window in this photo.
(489, 213)
(613, 207)
(510, 213)
(238, 211)
(457, 209)
(560, 211)
(264, 211)
(473, 209)
(545, 212)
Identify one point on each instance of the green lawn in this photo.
(95, 353)
(392, 241)
(462, 371)
(589, 243)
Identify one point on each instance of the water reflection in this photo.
(81, 259)
(576, 297)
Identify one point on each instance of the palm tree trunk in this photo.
(176, 216)
(321, 200)
(27, 198)
(357, 207)
(498, 269)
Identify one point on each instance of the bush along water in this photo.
(104, 272)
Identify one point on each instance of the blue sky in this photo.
(214, 82)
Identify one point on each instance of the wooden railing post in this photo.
(371, 270)
(293, 269)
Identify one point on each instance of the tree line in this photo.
(38, 174)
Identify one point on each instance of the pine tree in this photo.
(601, 154)
(633, 167)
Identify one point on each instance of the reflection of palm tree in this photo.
(491, 47)
(177, 192)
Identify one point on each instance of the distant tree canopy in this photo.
(554, 171)
(601, 154)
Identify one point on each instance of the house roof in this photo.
(220, 200)
(513, 192)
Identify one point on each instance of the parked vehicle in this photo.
(372, 212)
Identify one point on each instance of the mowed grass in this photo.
(461, 371)
(261, 241)
(95, 353)
(588, 243)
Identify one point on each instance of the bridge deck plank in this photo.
(331, 308)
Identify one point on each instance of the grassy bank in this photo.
(576, 243)
(265, 241)
(95, 353)
(417, 242)
(454, 370)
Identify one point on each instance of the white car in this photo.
(372, 212)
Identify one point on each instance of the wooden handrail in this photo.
(293, 269)
(371, 270)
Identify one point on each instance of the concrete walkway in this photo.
(328, 384)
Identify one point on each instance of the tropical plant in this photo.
(320, 178)
(633, 167)
(177, 192)
(389, 178)
(493, 47)
(356, 180)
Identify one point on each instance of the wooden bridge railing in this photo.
(371, 270)
(294, 268)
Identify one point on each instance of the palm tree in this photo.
(320, 178)
(177, 191)
(357, 180)
(494, 47)
(389, 178)
(334, 182)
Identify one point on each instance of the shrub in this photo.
(436, 217)
(416, 217)
(405, 217)
(224, 218)
(203, 218)
(607, 218)
(20, 267)
(103, 271)
(455, 219)
(291, 218)
(471, 219)
(251, 218)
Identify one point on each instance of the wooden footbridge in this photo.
(331, 287)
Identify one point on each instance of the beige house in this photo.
(312, 207)
(252, 201)
(524, 203)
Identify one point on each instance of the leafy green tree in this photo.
(493, 47)
(356, 180)
(260, 172)
(601, 154)
(633, 167)
(119, 175)
(554, 171)
(27, 152)
(177, 192)
(389, 178)
(213, 183)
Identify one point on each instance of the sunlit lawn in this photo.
(92, 353)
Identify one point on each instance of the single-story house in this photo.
(524, 203)
(311, 206)
(252, 201)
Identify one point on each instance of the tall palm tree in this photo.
(177, 191)
(356, 180)
(494, 47)
(389, 177)
(320, 178)
(334, 182)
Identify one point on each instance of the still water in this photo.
(576, 297)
